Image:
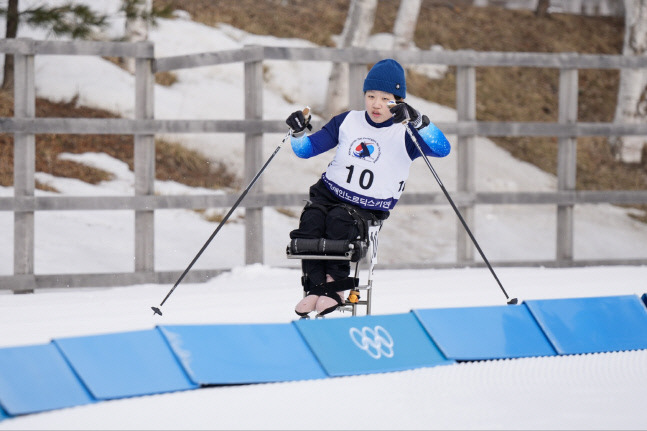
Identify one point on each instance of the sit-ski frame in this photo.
(373, 229)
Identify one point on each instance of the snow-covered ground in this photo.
(601, 391)
(595, 391)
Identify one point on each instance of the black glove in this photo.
(298, 123)
(403, 112)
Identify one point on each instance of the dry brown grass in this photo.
(173, 161)
(305, 19)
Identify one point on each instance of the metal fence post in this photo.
(465, 149)
(254, 245)
(144, 166)
(566, 162)
(24, 160)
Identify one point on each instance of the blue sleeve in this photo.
(320, 141)
(432, 141)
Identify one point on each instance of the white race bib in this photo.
(371, 164)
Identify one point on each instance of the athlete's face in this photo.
(376, 105)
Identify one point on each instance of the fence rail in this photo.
(24, 126)
(122, 126)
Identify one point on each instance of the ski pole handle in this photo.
(306, 113)
(299, 121)
(392, 103)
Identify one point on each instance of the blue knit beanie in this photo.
(388, 76)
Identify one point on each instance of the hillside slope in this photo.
(518, 94)
(506, 232)
(504, 94)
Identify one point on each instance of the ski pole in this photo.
(460, 217)
(156, 310)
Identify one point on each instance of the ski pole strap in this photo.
(341, 285)
(347, 283)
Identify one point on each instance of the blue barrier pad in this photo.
(592, 325)
(3, 415)
(37, 378)
(125, 364)
(241, 353)
(644, 298)
(370, 344)
(475, 333)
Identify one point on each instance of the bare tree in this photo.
(10, 33)
(632, 94)
(405, 23)
(74, 20)
(136, 27)
(140, 16)
(542, 8)
(357, 28)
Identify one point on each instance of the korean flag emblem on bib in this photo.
(365, 149)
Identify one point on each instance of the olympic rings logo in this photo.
(377, 342)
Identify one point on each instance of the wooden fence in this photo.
(24, 125)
